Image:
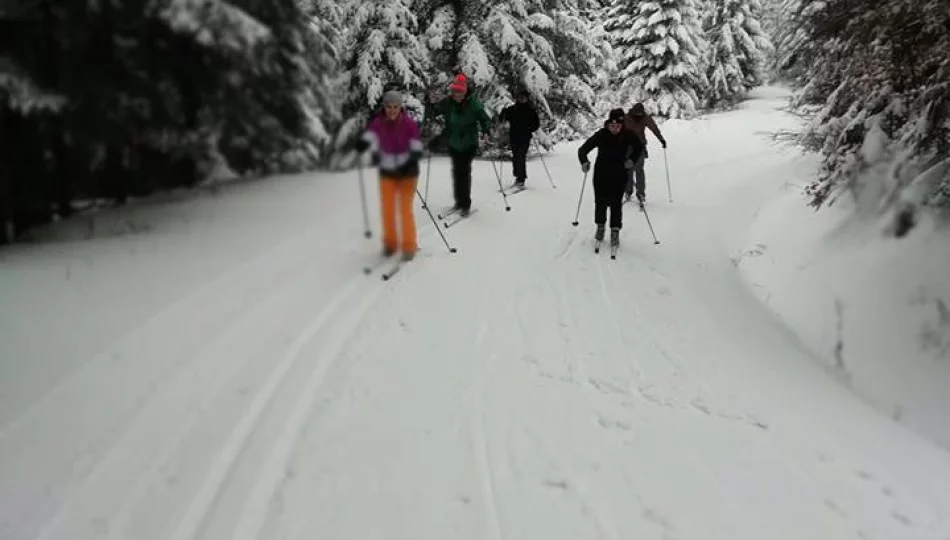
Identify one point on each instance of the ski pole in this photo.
(367, 233)
(425, 201)
(544, 163)
(669, 188)
(646, 215)
(579, 199)
(436, 224)
(501, 188)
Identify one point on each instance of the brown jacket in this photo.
(639, 125)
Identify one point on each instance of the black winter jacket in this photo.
(522, 121)
(613, 151)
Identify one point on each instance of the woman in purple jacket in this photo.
(394, 138)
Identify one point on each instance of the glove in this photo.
(663, 143)
(374, 159)
(628, 164)
(360, 145)
(585, 166)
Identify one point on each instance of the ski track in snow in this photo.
(521, 388)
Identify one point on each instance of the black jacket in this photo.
(613, 151)
(522, 121)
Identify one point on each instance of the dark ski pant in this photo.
(519, 159)
(608, 198)
(462, 176)
(637, 177)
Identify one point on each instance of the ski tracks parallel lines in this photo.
(194, 519)
(256, 509)
(485, 471)
(255, 514)
(205, 367)
(185, 304)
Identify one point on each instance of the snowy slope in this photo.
(872, 307)
(230, 373)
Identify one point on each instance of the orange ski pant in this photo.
(396, 195)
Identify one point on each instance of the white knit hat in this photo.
(392, 97)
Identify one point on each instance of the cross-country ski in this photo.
(458, 218)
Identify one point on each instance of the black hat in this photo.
(616, 115)
(638, 110)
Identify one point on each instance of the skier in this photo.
(637, 121)
(397, 148)
(617, 151)
(464, 117)
(522, 121)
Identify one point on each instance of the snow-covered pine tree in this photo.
(154, 89)
(772, 25)
(384, 48)
(543, 46)
(795, 52)
(323, 43)
(884, 126)
(660, 44)
(737, 51)
(582, 59)
(269, 128)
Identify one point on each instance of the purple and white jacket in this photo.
(397, 143)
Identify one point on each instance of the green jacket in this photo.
(462, 121)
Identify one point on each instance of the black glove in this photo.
(411, 167)
(360, 145)
(374, 159)
(663, 143)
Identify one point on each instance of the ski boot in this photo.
(614, 242)
(388, 251)
(408, 256)
(598, 238)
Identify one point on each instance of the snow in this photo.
(234, 28)
(224, 370)
(873, 309)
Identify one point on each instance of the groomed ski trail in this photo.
(521, 388)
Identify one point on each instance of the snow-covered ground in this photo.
(875, 309)
(223, 369)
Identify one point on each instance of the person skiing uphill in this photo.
(617, 149)
(637, 121)
(465, 118)
(397, 148)
(522, 121)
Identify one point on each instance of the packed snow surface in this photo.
(218, 367)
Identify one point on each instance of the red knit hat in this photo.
(460, 84)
